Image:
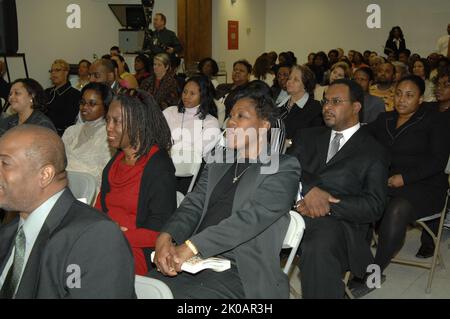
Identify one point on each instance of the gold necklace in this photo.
(236, 178)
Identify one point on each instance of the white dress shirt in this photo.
(347, 135)
(32, 227)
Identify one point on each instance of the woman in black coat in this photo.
(419, 152)
(395, 43)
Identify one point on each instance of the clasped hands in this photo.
(316, 203)
(169, 257)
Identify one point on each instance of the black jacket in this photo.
(36, 118)
(309, 116)
(357, 175)
(73, 234)
(419, 151)
(157, 194)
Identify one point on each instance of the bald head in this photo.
(42, 146)
(32, 167)
(102, 71)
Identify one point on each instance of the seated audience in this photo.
(300, 110)
(62, 98)
(262, 70)
(86, 142)
(209, 68)
(127, 80)
(358, 61)
(143, 67)
(57, 247)
(373, 105)
(138, 184)
(343, 190)
(279, 92)
(104, 71)
(442, 106)
(384, 86)
(419, 151)
(238, 211)
(27, 100)
(340, 70)
(241, 76)
(404, 56)
(421, 68)
(83, 75)
(401, 70)
(320, 66)
(162, 85)
(310, 62)
(193, 123)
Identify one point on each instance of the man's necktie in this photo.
(12, 279)
(334, 146)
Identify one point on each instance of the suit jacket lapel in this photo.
(323, 145)
(349, 147)
(7, 235)
(30, 278)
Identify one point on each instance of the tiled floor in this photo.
(406, 282)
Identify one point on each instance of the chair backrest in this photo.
(149, 288)
(180, 198)
(82, 185)
(293, 237)
(187, 163)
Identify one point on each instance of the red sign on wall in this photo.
(233, 35)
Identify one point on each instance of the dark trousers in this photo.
(323, 259)
(206, 284)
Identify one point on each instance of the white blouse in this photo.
(191, 133)
(87, 148)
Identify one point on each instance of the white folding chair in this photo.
(291, 241)
(437, 257)
(293, 238)
(149, 288)
(82, 185)
(187, 163)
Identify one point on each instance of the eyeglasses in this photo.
(90, 103)
(333, 102)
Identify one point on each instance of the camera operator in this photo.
(163, 40)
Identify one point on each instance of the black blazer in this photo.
(297, 119)
(357, 175)
(390, 46)
(73, 234)
(157, 194)
(419, 151)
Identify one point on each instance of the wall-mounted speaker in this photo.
(9, 39)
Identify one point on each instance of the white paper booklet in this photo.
(197, 264)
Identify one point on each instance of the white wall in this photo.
(44, 36)
(305, 26)
(251, 15)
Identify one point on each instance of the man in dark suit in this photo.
(344, 184)
(57, 247)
